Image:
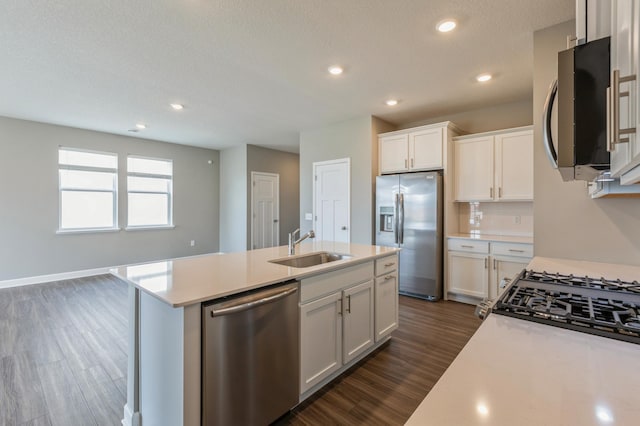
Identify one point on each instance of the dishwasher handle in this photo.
(249, 302)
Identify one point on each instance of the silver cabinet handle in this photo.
(500, 192)
(486, 263)
(466, 246)
(386, 265)
(340, 307)
(614, 110)
(546, 125)
(412, 163)
(349, 304)
(388, 277)
(494, 264)
(405, 164)
(516, 251)
(491, 192)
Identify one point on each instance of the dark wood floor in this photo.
(63, 359)
(63, 353)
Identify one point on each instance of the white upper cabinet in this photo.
(473, 159)
(495, 166)
(514, 166)
(419, 148)
(625, 58)
(394, 153)
(425, 149)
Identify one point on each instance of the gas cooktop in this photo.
(604, 307)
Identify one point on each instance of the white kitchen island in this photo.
(517, 372)
(164, 362)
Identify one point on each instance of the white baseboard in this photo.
(131, 418)
(40, 279)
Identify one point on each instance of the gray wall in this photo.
(233, 199)
(29, 203)
(352, 139)
(287, 165)
(503, 116)
(567, 223)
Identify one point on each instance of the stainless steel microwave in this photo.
(580, 150)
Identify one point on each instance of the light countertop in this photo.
(496, 238)
(185, 281)
(517, 372)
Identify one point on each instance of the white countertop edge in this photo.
(496, 238)
(288, 273)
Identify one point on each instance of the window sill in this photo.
(148, 228)
(86, 231)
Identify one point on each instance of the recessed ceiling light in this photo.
(446, 25)
(483, 77)
(177, 107)
(141, 126)
(336, 70)
(391, 102)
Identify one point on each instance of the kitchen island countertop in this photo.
(186, 281)
(517, 372)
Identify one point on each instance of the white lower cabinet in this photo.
(357, 320)
(386, 291)
(477, 269)
(468, 274)
(344, 315)
(320, 340)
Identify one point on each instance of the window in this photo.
(149, 188)
(88, 183)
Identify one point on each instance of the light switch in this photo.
(308, 216)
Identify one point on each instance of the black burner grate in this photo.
(609, 308)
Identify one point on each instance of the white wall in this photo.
(354, 139)
(29, 245)
(233, 199)
(567, 223)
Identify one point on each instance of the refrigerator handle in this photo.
(396, 219)
(401, 230)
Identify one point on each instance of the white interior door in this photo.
(265, 214)
(331, 200)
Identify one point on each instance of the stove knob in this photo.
(483, 309)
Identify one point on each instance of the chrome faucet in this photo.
(293, 241)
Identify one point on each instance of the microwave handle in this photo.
(546, 125)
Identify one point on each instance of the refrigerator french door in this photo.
(409, 216)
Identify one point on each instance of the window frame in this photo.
(169, 193)
(114, 191)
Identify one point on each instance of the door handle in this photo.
(396, 213)
(546, 125)
(401, 231)
(344, 228)
(275, 220)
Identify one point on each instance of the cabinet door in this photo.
(386, 304)
(468, 274)
(624, 52)
(504, 267)
(357, 320)
(473, 160)
(394, 153)
(425, 149)
(320, 340)
(514, 166)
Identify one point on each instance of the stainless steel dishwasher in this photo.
(250, 358)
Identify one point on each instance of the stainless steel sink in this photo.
(311, 259)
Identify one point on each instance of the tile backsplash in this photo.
(515, 219)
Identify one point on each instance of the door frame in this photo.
(277, 176)
(314, 168)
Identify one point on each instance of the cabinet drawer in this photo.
(330, 282)
(386, 264)
(471, 246)
(512, 249)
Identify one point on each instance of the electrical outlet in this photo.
(193, 243)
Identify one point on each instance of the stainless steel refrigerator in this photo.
(409, 215)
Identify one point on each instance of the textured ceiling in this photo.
(255, 71)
